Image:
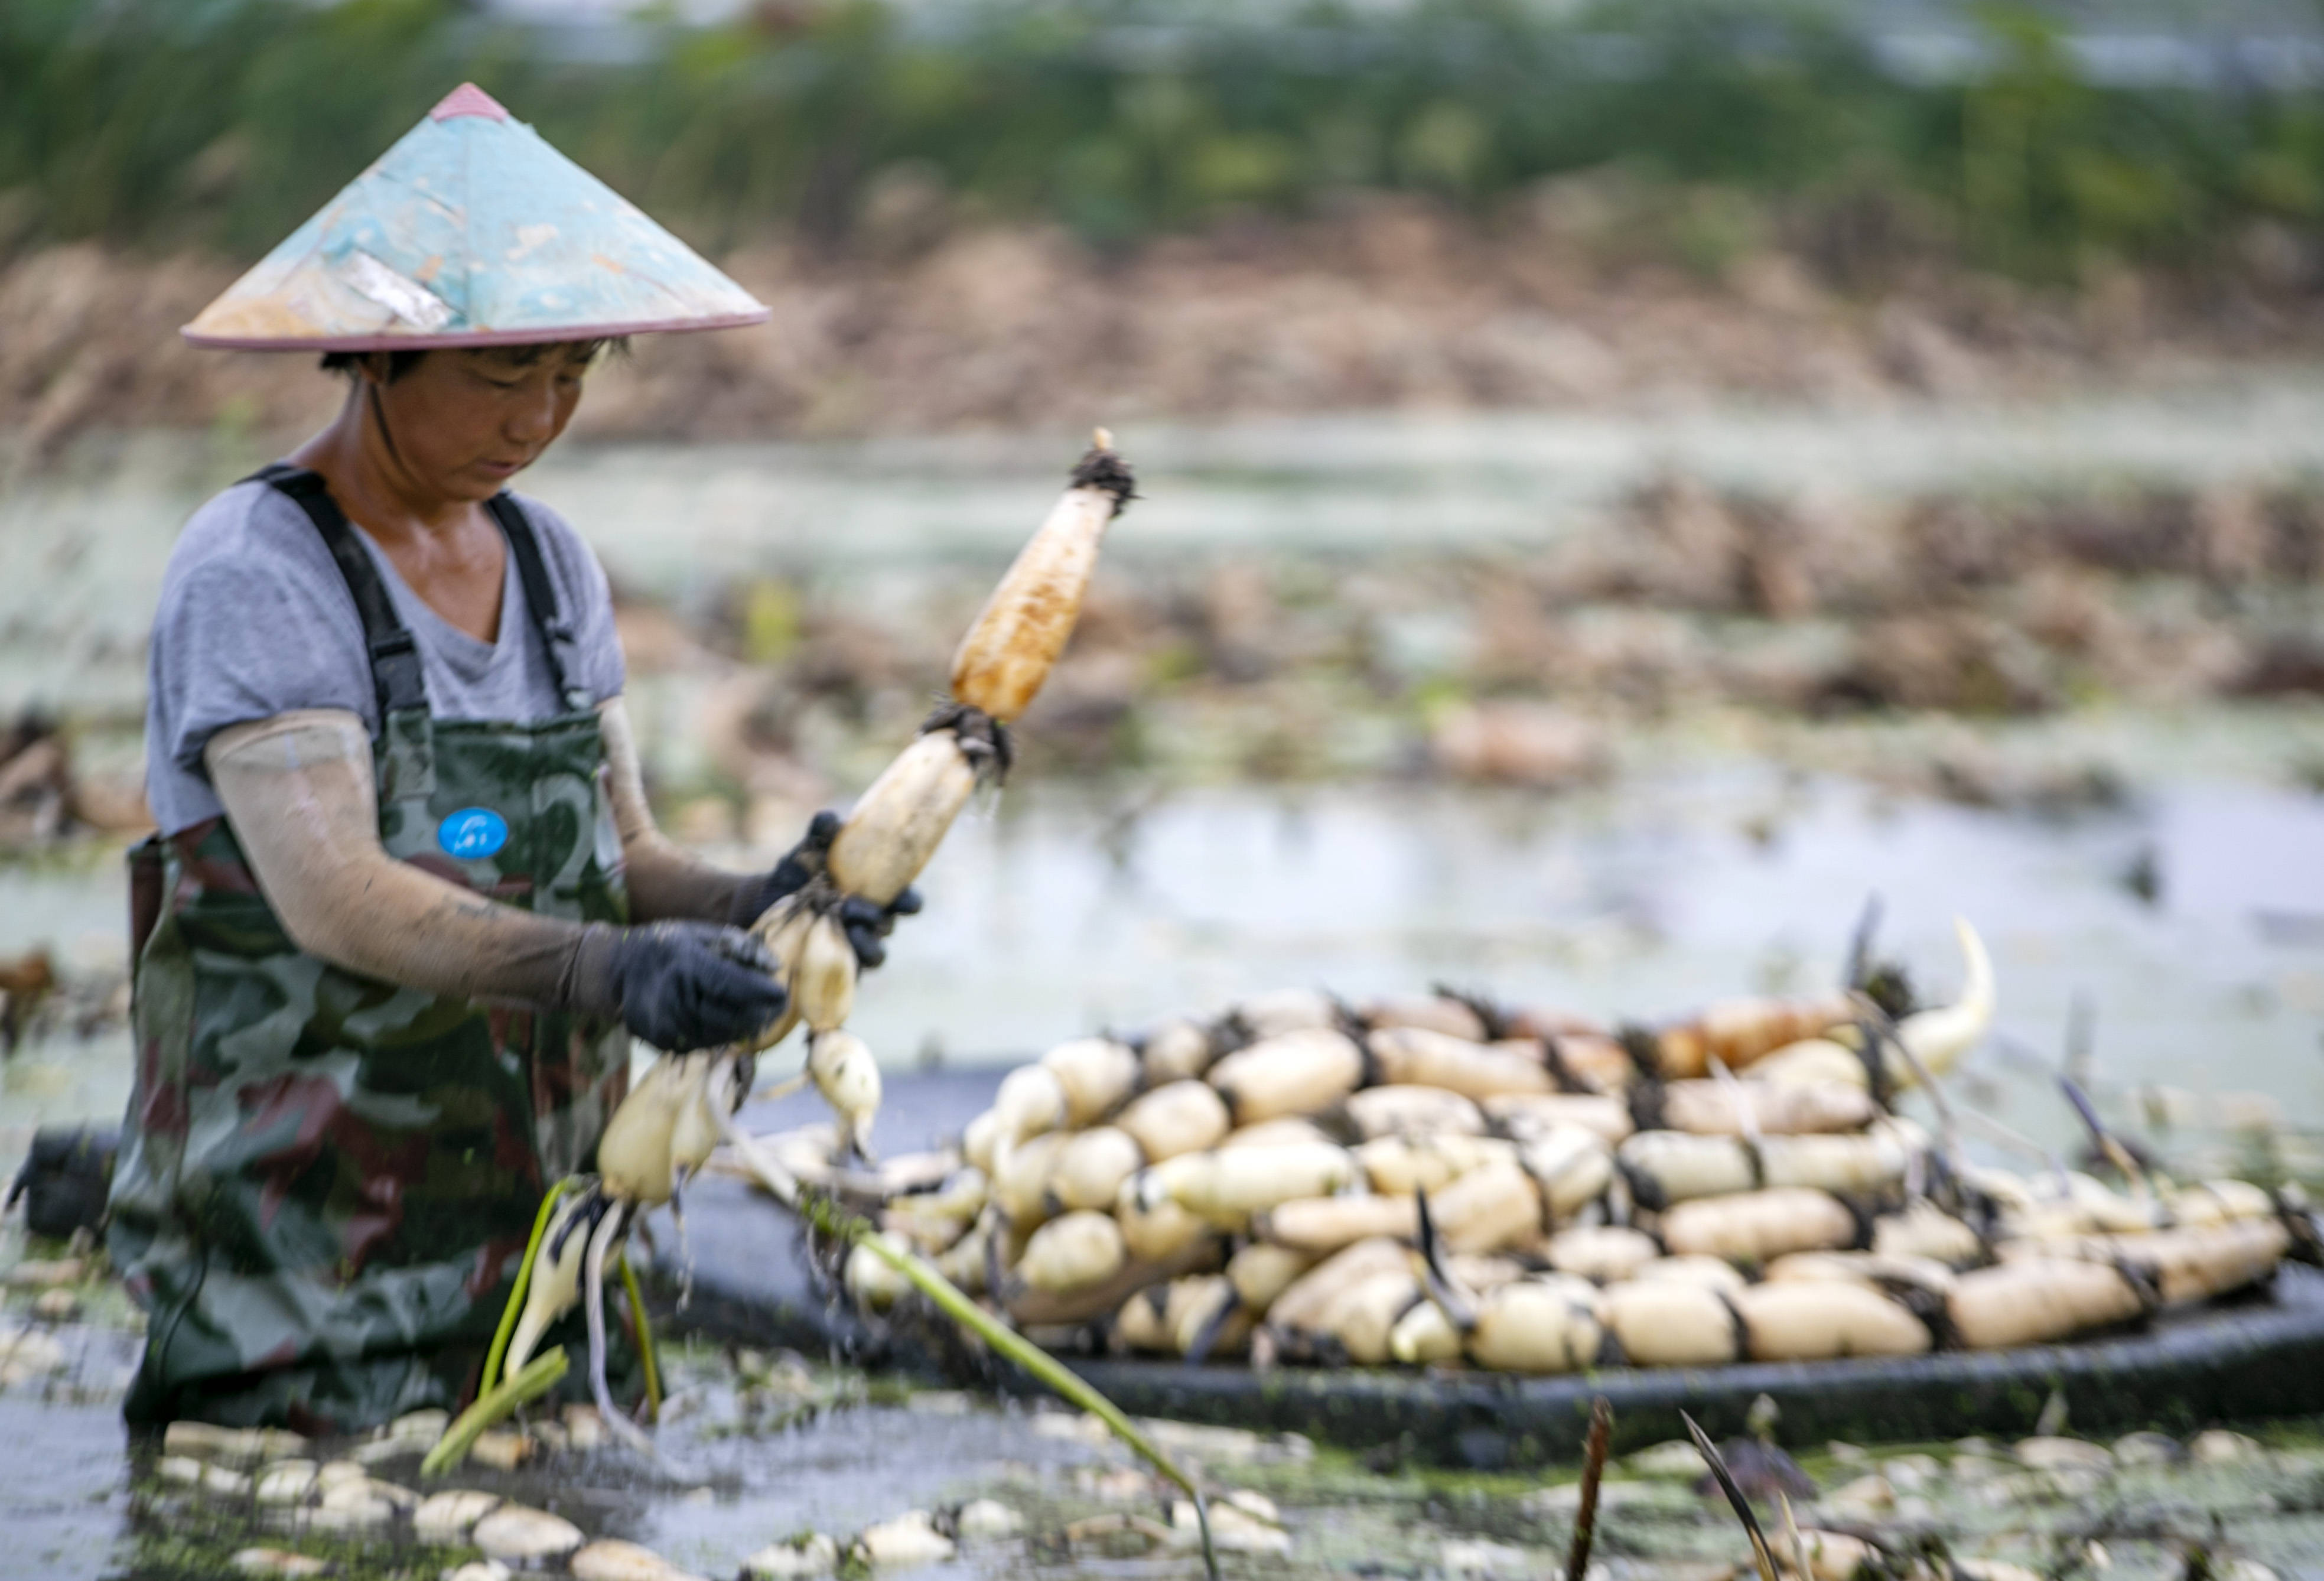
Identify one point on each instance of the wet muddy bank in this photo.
(1583, 293)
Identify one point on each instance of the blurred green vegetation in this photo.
(223, 122)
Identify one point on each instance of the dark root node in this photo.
(1104, 469)
(1645, 1047)
(984, 738)
(1887, 987)
(1491, 1017)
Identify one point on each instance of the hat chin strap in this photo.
(379, 415)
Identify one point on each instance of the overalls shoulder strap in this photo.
(394, 656)
(540, 599)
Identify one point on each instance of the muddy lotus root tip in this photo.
(1101, 468)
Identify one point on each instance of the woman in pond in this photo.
(408, 903)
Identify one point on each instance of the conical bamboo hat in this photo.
(471, 231)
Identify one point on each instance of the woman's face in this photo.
(462, 423)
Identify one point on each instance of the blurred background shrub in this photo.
(221, 123)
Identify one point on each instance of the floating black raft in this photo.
(2258, 1358)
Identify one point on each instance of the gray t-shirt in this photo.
(255, 620)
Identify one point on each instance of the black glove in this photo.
(686, 985)
(867, 923)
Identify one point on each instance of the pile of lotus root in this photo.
(1447, 1181)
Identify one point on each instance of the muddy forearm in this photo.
(664, 880)
(300, 792)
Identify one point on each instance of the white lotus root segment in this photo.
(782, 930)
(1071, 1253)
(848, 1077)
(1096, 1074)
(1090, 1169)
(555, 1284)
(1939, 1038)
(637, 1156)
(898, 822)
(823, 979)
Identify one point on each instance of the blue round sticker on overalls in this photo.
(473, 832)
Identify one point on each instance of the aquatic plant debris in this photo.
(1760, 1556)
(1987, 1500)
(1593, 1467)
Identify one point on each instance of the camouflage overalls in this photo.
(325, 1180)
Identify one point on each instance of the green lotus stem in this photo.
(492, 1358)
(509, 1314)
(645, 1339)
(836, 1222)
(539, 1377)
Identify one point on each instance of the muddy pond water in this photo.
(1064, 911)
(2190, 913)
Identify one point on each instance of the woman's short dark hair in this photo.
(399, 363)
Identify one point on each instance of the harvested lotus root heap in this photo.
(1449, 1181)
